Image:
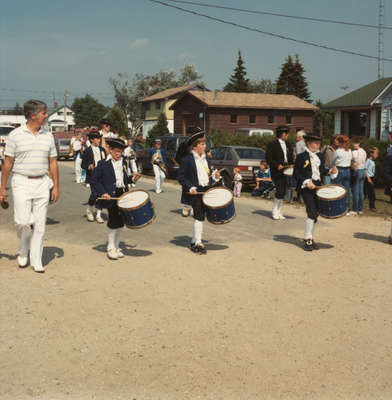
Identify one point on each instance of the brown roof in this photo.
(170, 92)
(252, 100)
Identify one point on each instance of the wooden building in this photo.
(228, 111)
(366, 111)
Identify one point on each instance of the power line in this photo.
(331, 21)
(269, 33)
(102, 94)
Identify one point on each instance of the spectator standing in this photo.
(237, 182)
(328, 154)
(370, 172)
(300, 146)
(342, 160)
(77, 150)
(358, 172)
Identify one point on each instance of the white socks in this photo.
(277, 206)
(98, 212)
(309, 229)
(197, 232)
(113, 238)
(90, 209)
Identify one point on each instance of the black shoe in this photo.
(314, 245)
(201, 249)
(308, 245)
(194, 248)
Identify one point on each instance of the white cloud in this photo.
(140, 43)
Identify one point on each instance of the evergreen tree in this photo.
(119, 123)
(292, 80)
(159, 129)
(238, 81)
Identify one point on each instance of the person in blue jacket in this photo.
(195, 177)
(309, 170)
(90, 158)
(157, 160)
(110, 179)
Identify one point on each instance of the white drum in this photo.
(219, 203)
(288, 171)
(332, 201)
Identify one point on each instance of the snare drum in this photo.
(332, 201)
(288, 171)
(219, 204)
(136, 209)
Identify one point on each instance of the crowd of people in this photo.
(110, 171)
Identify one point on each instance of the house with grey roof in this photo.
(366, 111)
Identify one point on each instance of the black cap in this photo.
(191, 130)
(116, 143)
(309, 137)
(281, 129)
(105, 121)
(94, 134)
(196, 136)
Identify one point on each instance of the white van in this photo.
(253, 132)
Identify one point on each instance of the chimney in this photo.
(216, 95)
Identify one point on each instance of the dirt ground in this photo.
(254, 319)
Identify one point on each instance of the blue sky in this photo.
(78, 45)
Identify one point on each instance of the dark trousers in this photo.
(280, 185)
(369, 190)
(115, 219)
(311, 203)
(199, 210)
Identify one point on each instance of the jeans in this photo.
(358, 190)
(344, 179)
(327, 180)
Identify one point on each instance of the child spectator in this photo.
(358, 175)
(264, 182)
(237, 182)
(370, 171)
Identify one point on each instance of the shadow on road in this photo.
(127, 249)
(298, 242)
(7, 256)
(177, 211)
(51, 221)
(50, 253)
(370, 236)
(184, 241)
(267, 214)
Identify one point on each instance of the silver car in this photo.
(247, 159)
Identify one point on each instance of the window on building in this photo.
(59, 113)
(69, 113)
(147, 106)
(270, 118)
(252, 118)
(233, 118)
(158, 105)
(289, 118)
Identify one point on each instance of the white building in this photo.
(56, 120)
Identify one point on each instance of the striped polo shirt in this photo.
(30, 152)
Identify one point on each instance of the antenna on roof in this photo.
(380, 56)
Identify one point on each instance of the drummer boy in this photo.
(309, 171)
(195, 177)
(110, 179)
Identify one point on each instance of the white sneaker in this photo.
(90, 216)
(99, 219)
(281, 216)
(112, 254)
(22, 261)
(87, 185)
(360, 212)
(353, 213)
(40, 269)
(120, 254)
(158, 191)
(275, 216)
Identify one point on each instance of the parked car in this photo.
(4, 132)
(247, 159)
(168, 143)
(63, 147)
(253, 132)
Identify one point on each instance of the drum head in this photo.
(289, 171)
(331, 192)
(217, 197)
(133, 199)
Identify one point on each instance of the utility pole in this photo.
(65, 110)
(380, 71)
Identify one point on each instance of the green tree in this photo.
(119, 123)
(88, 111)
(128, 91)
(292, 80)
(325, 120)
(262, 86)
(159, 129)
(238, 81)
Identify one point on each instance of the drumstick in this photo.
(194, 193)
(111, 198)
(219, 171)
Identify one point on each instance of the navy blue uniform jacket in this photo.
(103, 180)
(303, 168)
(187, 176)
(275, 157)
(88, 159)
(163, 154)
